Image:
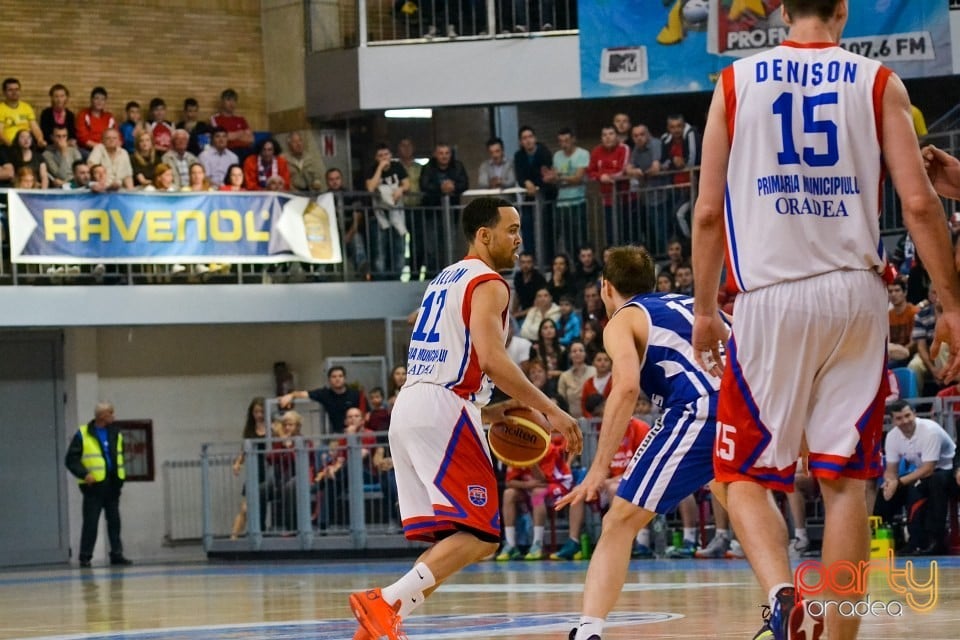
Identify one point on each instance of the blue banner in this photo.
(675, 46)
(52, 227)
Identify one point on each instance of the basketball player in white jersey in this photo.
(796, 145)
(445, 479)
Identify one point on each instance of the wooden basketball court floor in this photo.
(666, 599)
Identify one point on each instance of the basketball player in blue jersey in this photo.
(445, 480)
(648, 338)
(797, 143)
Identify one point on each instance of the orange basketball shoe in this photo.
(376, 616)
(361, 634)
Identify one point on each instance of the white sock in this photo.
(723, 533)
(589, 627)
(511, 534)
(409, 589)
(772, 596)
(690, 533)
(538, 535)
(801, 534)
(643, 537)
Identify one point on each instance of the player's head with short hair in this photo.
(630, 270)
(823, 9)
(482, 212)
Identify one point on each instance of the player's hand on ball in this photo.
(566, 425)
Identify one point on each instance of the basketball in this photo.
(522, 439)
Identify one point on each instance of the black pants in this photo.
(926, 505)
(102, 496)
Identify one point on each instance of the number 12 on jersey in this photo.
(430, 316)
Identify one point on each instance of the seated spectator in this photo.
(132, 126)
(17, 115)
(25, 178)
(683, 281)
(534, 487)
(592, 335)
(179, 158)
(398, 378)
(283, 458)
(163, 178)
(59, 157)
(216, 158)
(599, 383)
(496, 172)
(239, 133)
(144, 160)
(378, 417)
(570, 383)
(548, 350)
(265, 164)
(198, 179)
(26, 154)
(306, 167)
(569, 325)
(560, 280)
(518, 347)
(114, 158)
(593, 307)
(526, 282)
(99, 180)
(234, 179)
(58, 115)
(81, 176)
(159, 127)
(901, 315)
(918, 476)
(587, 270)
(94, 120)
(200, 132)
(536, 372)
(383, 464)
(335, 398)
(664, 283)
(927, 368)
(543, 308)
(332, 479)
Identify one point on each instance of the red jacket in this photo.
(251, 178)
(611, 162)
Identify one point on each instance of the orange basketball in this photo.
(522, 439)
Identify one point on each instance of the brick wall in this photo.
(137, 49)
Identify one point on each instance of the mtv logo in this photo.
(624, 66)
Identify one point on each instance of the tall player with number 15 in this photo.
(445, 479)
(796, 145)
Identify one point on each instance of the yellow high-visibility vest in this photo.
(93, 460)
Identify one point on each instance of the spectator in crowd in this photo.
(681, 151)
(17, 115)
(144, 160)
(533, 165)
(405, 153)
(94, 120)
(198, 179)
(927, 368)
(115, 159)
(239, 133)
(676, 256)
(496, 172)
(683, 282)
(443, 176)
(217, 159)
(902, 314)
(335, 398)
(132, 126)
(179, 158)
(354, 233)
(593, 308)
(25, 178)
(664, 283)
(378, 416)
(234, 179)
(163, 178)
(587, 270)
(254, 429)
(645, 155)
(160, 128)
(59, 157)
(6, 167)
(283, 458)
(560, 281)
(599, 383)
(535, 487)
(306, 168)
(536, 372)
(200, 132)
(26, 154)
(99, 180)
(918, 476)
(570, 163)
(543, 307)
(570, 383)
(526, 282)
(548, 350)
(643, 169)
(623, 126)
(95, 458)
(518, 348)
(58, 115)
(259, 168)
(569, 325)
(383, 466)
(398, 377)
(608, 164)
(81, 176)
(387, 180)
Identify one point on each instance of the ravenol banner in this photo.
(632, 47)
(48, 227)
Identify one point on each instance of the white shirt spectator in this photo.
(929, 443)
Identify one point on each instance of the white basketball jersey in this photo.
(441, 351)
(805, 171)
